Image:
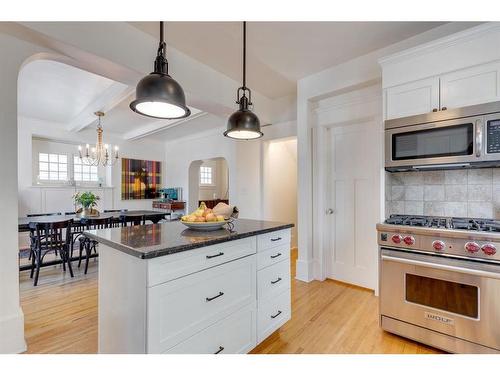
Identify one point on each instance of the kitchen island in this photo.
(166, 289)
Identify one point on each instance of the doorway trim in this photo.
(361, 108)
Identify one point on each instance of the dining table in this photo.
(23, 222)
(23, 225)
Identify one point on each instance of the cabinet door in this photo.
(476, 85)
(412, 98)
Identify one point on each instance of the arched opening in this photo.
(208, 182)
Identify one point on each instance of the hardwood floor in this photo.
(327, 317)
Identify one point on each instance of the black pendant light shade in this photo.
(158, 95)
(243, 124)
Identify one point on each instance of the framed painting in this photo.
(141, 179)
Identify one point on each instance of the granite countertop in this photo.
(155, 240)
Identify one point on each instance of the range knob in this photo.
(489, 249)
(438, 245)
(409, 240)
(472, 247)
(396, 238)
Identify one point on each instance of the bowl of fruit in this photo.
(204, 219)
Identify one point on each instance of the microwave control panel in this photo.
(493, 137)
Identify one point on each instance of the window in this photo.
(52, 167)
(83, 172)
(206, 176)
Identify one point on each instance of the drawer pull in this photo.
(215, 256)
(275, 315)
(212, 298)
(276, 281)
(221, 348)
(276, 239)
(275, 256)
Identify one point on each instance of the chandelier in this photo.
(101, 153)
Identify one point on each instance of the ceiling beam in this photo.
(152, 128)
(106, 101)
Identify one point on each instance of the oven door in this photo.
(459, 298)
(434, 145)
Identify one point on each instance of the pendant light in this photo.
(243, 124)
(158, 95)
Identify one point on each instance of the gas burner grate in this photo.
(481, 225)
(419, 221)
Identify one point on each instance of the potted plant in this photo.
(87, 200)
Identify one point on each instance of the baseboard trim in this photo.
(12, 337)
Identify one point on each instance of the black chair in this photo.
(107, 211)
(50, 237)
(32, 232)
(48, 214)
(90, 244)
(130, 220)
(76, 233)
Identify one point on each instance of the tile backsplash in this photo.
(466, 193)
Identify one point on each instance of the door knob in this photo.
(330, 211)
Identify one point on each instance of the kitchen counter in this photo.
(226, 295)
(156, 240)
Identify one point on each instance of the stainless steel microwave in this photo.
(467, 137)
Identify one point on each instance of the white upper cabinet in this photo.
(476, 85)
(412, 98)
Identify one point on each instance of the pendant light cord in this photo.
(161, 63)
(244, 55)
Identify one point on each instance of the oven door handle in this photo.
(444, 267)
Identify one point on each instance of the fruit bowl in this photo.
(205, 226)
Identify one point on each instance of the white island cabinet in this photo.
(165, 289)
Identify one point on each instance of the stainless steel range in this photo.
(440, 281)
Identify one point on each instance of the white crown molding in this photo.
(441, 43)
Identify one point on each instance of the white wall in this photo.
(32, 197)
(279, 196)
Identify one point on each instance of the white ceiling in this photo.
(280, 53)
(53, 91)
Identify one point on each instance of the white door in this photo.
(354, 165)
(412, 98)
(480, 84)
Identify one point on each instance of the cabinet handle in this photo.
(215, 256)
(275, 315)
(444, 109)
(221, 348)
(275, 256)
(276, 239)
(276, 281)
(434, 109)
(212, 298)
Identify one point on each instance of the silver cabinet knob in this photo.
(330, 211)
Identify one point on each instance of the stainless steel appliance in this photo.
(467, 137)
(440, 281)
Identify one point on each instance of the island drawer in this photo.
(183, 307)
(273, 280)
(272, 256)
(235, 334)
(272, 239)
(173, 266)
(273, 314)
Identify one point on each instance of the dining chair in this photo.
(89, 244)
(50, 237)
(32, 231)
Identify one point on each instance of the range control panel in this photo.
(493, 137)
